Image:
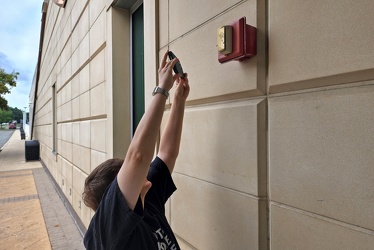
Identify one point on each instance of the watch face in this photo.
(161, 91)
(156, 90)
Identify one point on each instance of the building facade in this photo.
(277, 150)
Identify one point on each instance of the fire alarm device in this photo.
(224, 39)
(243, 42)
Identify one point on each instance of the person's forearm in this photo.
(132, 175)
(145, 137)
(171, 137)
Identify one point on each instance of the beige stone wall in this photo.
(221, 201)
(276, 150)
(73, 59)
(321, 175)
(280, 145)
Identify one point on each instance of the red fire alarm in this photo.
(236, 41)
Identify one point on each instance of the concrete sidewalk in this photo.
(32, 214)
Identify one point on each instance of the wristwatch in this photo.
(161, 91)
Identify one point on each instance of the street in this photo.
(4, 136)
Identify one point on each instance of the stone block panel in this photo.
(79, 178)
(85, 133)
(69, 171)
(232, 224)
(197, 52)
(225, 144)
(202, 11)
(67, 130)
(77, 202)
(84, 80)
(76, 85)
(98, 33)
(69, 192)
(75, 108)
(81, 29)
(97, 158)
(96, 9)
(294, 230)
(320, 153)
(75, 132)
(183, 245)
(98, 135)
(85, 159)
(309, 42)
(98, 100)
(97, 69)
(163, 20)
(66, 150)
(77, 155)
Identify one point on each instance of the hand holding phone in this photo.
(177, 67)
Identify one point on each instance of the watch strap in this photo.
(161, 91)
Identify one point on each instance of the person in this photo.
(129, 196)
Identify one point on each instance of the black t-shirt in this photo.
(116, 226)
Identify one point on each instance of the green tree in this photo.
(17, 114)
(5, 116)
(7, 82)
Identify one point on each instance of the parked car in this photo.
(12, 125)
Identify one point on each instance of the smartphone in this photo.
(177, 67)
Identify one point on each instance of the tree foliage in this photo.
(7, 82)
(5, 116)
(17, 114)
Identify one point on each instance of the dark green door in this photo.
(137, 65)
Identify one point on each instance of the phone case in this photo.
(177, 67)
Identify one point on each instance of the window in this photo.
(137, 62)
(54, 120)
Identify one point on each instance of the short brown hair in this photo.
(98, 181)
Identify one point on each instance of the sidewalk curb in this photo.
(1, 149)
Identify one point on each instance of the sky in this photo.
(19, 44)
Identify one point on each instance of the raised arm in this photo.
(134, 170)
(171, 137)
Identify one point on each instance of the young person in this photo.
(129, 196)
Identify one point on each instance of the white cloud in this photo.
(19, 44)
